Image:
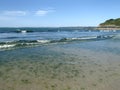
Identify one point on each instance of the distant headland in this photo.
(111, 24)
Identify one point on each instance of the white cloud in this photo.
(43, 12)
(14, 13)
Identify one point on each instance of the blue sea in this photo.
(17, 39)
(11, 38)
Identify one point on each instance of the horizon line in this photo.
(42, 26)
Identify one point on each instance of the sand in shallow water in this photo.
(73, 69)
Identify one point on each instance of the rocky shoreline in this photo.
(107, 28)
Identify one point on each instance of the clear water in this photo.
(25, 42)
(59, 59)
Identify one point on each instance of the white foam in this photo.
(43, 41)
(84, 38)
(6, 46)
(74, 38)
(114, 30)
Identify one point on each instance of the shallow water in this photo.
(73, 65)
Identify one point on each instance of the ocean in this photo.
(59, 58)
(24, 37)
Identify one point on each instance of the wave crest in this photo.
(25, 43)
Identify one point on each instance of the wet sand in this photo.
(73, 69)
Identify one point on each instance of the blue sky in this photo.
(55, 13)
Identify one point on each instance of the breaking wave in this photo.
(28, 43)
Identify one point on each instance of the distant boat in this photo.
(23, 31)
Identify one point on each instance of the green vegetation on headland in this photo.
(111, 24)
